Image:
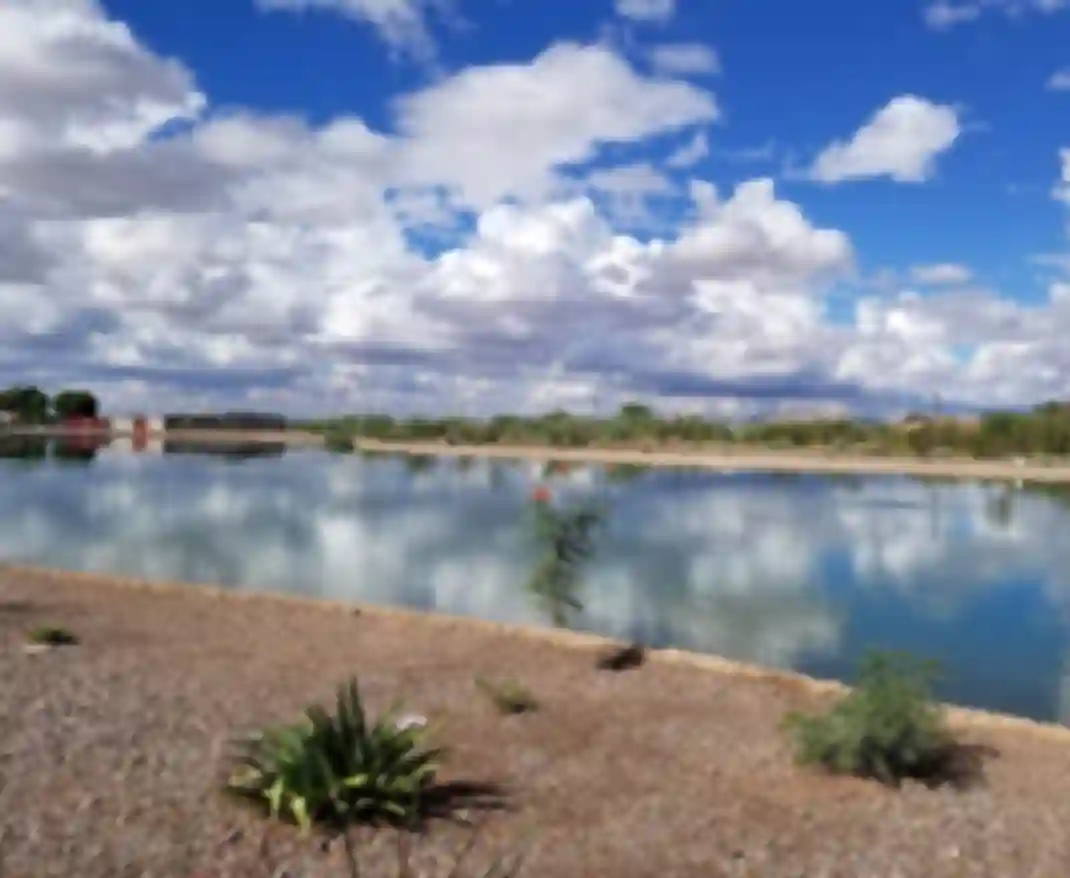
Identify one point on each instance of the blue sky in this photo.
(488, 204)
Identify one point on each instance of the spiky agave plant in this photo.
(338, 769)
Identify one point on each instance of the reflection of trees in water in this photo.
(1055, 492)
(625, 473)
(37, 448)
(566, 539)
(29, 448)
(75, 451)
(1000, 506)
(419, 463)
(226, 450)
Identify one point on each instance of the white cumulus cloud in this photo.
(1062, 189)
(685, 58)
(646, 10)
(402, 24)
(941, 274)
(1060, 80)
(502, 129)
(946, 14)
(173, 255)
(901, 141)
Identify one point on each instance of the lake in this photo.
(805, 572)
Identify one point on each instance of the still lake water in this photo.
(806, 572)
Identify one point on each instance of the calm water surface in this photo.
(806, 572)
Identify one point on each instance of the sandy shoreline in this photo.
(114, 749)
(747, 459)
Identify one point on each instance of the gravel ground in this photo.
(112, 752)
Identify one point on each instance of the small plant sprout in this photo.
(508, 697)
(52, 635)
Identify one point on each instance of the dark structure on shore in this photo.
(226, 421)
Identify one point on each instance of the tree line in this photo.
(29, 404)
(1044, 430)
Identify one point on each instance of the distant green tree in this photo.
(75, 404)
(635, 411)
(28, 404)
(1044, 430)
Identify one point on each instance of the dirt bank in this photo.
(113, 749)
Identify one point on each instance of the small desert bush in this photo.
(508, 697)
(337, 769)
(886, 728)
(52, 635)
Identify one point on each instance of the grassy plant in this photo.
(508, 697)
(52, 635)
(338, 769)
(886, 728)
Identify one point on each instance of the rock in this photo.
(623, 659)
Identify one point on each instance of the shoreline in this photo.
(729, 459)
(959, 717)
(745, 459)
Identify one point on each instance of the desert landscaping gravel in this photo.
(112, 751)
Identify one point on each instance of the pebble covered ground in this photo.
(112, 751)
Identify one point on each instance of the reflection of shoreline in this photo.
(296, 438)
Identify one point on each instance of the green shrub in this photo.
(508, 697)
(52, 635)
(338, 769)
(886, 728)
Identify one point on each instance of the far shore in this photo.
(749, 459)
(727, 458)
